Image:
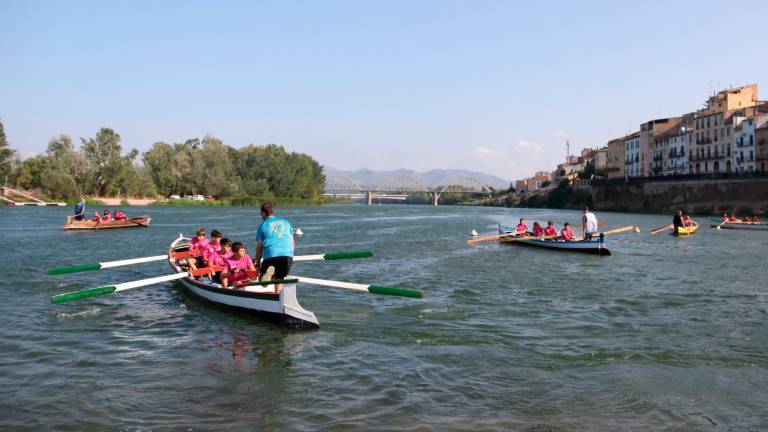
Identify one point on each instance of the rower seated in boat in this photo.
(96, 217)
(213, 247)
(732, 218)
(567, 233)
(550, 230)
(725, 217)
(755, 219)
(522, 228)
(687, 221)
(239, 267)
(197, 246)
(538, 231)
(106, 217)
(746, 219)
(217, 260)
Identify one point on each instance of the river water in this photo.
(665, 333)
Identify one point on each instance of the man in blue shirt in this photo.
(80, 210)
(274, 243)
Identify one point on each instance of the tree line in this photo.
(206, 166)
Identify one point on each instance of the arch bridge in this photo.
(399, 187)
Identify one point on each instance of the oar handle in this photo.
(74, 269)
(347, 255)
(77, 295)
(402, 292)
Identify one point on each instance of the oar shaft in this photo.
(104, 265)
(375, 289)
(93, 292)
(334, 256)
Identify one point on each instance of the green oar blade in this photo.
(347, 255)
(402, 292)
(74, 269)
(92, 292)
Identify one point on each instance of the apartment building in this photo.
(614, 158)
(745, 139)
(539, 180)
(713, 128)
(633, 157)
(652, 159)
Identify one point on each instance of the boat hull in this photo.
(136, 222)
(595, 246)
(685, 232)
(754, 226)
(283, 308)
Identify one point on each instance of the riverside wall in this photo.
(693, 196)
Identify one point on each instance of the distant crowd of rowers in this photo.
(229, 262)
(589, 226)
(733, 219)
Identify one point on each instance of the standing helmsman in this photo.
(80, 210)
(677, 221)
(589, 224)
(274, 244)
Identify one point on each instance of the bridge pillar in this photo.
(369, 197)
(435, 198)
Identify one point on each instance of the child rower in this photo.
(197, 246)
(106, 217)
(521, 227)
(567, 233)
(538, 231)
(687, 221)
(550, 230)
(213, 246)
(218, 260)
(96, 217)
(237, 266)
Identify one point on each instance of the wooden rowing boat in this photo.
(283, 307)
(594, 246)
(139, 221)
(740, 225)
(685, 231)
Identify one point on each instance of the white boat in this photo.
(594, 246)
(758, 226)
(257, 297)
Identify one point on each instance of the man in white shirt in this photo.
(589, 224)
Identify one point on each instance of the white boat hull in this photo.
(262, 299)
(595, 246)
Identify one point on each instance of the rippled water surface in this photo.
(665, 334)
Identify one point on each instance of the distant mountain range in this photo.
(435, 177)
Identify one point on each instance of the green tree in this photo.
(106, 162)
(34, 170)
(162, 168)
(214, 167)
(6, 156)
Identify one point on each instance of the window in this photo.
(751, 140)
(728, 131)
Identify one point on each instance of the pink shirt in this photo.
(106, 218)
(199, 245)
(521, 227)
(567, 234)
(244, 263)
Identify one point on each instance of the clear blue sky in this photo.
(492, 86)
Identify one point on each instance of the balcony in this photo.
(745, 145)
(703, 158)
(744, 160)
(658, 158)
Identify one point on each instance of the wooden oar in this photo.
(660, 229)
(622, 230)
(495, 237)
(375, 289)
(137, 223)
(109, 289)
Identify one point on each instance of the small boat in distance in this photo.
(686, 231)
(139, 221)
(594, 246)
(740, 225)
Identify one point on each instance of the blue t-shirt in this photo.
(276, 235)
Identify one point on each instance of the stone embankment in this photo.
(744, 196)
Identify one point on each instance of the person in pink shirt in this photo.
(522, 227)
(238, 266)
(213, 246)
(106, 217)
(197, 246)
(96, 217)
(550, 230)
(567, 233)
(538, 231)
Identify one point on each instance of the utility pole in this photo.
(567, 149)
